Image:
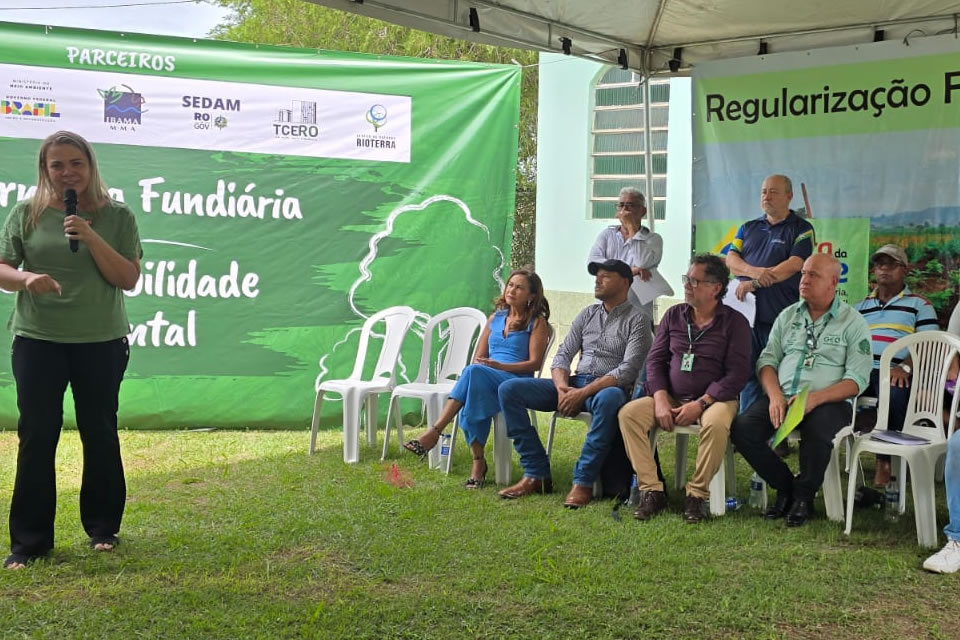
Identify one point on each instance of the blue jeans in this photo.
(951, 478)
(520, 394)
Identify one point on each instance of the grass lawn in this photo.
(242, 535)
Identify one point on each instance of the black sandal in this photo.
(18, 558)
(416, 448)
(477, 483)
(113, 541)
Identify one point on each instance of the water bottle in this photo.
(444, 450)
(634, 500)
(891, 497)
(756, 491)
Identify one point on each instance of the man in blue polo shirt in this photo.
(892, 312)
(766, 257)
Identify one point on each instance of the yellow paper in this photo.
(794, 415)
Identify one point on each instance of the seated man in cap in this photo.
(612, 337)
(699, 362)
(892, 312)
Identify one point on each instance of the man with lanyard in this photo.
(612, 337)
(820, 343)
(766, 256)
(892, 312)
(699, 361)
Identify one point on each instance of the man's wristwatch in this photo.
(907, 368)
(704, 405)
(755, 284)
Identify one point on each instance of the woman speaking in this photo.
(77, 249)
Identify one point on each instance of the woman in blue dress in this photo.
(511, 344)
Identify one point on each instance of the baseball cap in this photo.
(617, 266)
(893, 251)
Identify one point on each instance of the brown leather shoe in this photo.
(693, 510)
(653, 503)
(526, 487)
(578, 497)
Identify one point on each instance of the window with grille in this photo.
(619, 154)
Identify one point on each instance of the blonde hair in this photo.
(45, 193)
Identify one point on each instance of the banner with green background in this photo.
(282, 195)
(868, 134)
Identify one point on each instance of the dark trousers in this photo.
(751, 432)
(42, 370)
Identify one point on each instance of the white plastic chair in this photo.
(503, 444)
(931, 353)
(356, 391)
(462, 327)
(724, 481)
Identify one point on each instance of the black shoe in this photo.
(693, 510)
(653, 503)
(780, 507)
(800, 512)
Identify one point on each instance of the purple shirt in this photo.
(721, 363)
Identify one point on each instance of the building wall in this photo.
(564, 231)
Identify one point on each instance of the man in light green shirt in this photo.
(822, 343)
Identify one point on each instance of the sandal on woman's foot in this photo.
(417, 448)
(474, 482)
(104, 543)
(18, 561)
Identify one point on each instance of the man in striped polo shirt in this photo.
(892, 312)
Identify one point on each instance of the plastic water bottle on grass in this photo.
(756, 491)
(444, 450)
(634, 500)
(891, 499)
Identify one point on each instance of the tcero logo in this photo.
(377, 116)
(122, 107)
(299, 121)
(29, 109)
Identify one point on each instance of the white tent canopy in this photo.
(651, 31)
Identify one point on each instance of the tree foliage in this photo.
(299, 23)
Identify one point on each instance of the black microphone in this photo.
(70, 209)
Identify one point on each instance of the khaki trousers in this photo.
(637, 419)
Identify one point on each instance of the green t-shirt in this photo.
(89, 309)
(842, 348)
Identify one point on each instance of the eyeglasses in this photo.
(811, 339)
(694, 283)
(628, 205)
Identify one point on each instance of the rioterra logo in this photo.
(122, 107)
(377, 116)
(297, 122)
(29, 109)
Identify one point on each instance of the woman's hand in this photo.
(487, 362)
(41, 283)
(77, 228)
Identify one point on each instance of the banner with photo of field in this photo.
(282, 195)
(870, 137)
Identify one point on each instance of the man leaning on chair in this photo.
(699, 361)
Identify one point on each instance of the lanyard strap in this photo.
(693, 340)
